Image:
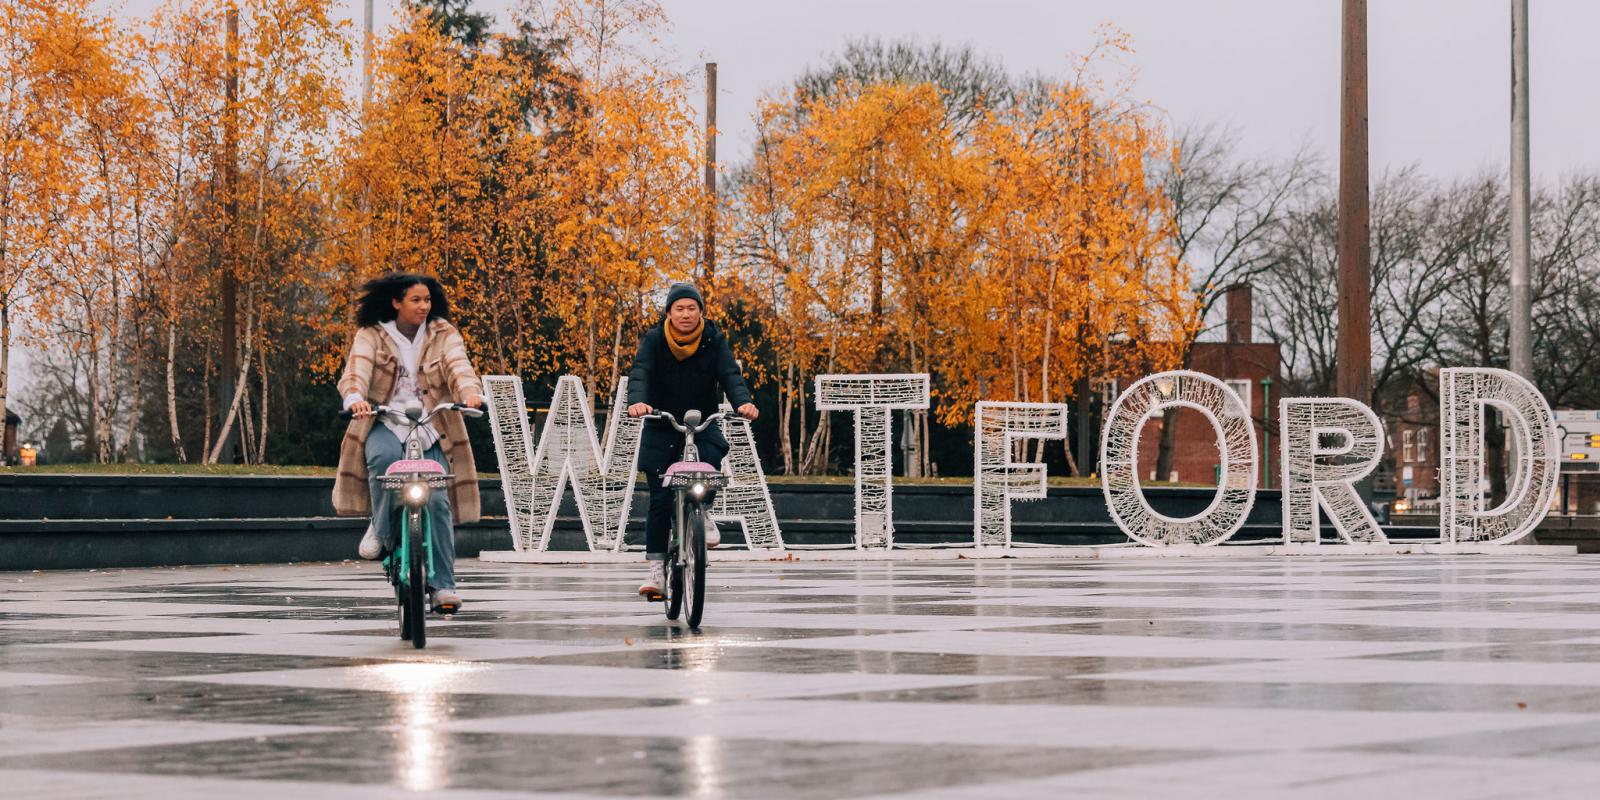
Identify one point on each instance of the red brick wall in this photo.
(1195, 456)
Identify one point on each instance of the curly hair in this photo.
(379, 295)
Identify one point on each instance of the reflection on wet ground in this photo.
(1461, 677)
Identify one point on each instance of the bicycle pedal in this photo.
(653, 597)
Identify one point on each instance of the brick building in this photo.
(1252, 370)
(1413, 446)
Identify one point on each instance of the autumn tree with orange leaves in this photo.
(905, 210)
(546, 176)
(1015, 247)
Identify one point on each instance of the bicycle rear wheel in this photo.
(693, 572)
(417, 580)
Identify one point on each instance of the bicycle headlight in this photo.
(416, 494)
(698, 490)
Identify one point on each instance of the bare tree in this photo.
(1227, 211)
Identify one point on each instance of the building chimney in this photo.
(1240, 313)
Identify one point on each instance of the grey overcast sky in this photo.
(1440, 83)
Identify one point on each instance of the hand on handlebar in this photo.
(639, 410)
(361, 408)
(748, 411)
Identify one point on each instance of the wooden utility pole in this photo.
(708, 267)
(230, 184)
(1354, 373)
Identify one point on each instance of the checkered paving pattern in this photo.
(1325, 677)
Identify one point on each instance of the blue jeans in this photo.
(383, 449)
(661, 448)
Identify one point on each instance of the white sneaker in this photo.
(446, 601)
(370, 547)
(651, 588)
(713, 536)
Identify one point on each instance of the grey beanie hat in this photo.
(683, 290)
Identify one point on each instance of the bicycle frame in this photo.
(413, 479)
(690, 480)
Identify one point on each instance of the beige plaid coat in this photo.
(445, 376)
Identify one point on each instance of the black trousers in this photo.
(660, 448)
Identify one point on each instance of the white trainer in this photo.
(370, 547)
(651, 588)
(446, 601)
(713, 536)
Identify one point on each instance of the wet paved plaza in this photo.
(1416, 676)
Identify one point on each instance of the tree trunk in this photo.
(247, 425)
(1169, 421)
(5, 372)
(785, 417)
(205, 391)
(261, 443)
(97, 433)
(1169, 440)
(136, 399)
(238, 390)
(172, 394)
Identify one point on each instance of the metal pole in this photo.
(1521, 243)
(1266, 432)
(366, 58)
(709, 254)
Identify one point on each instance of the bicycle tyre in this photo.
(674, 585)
(405, 616)
(693, 573)
(417, 580)
(394, 568)
(673, 590)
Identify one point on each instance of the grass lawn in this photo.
(269, 469)
(166, 469)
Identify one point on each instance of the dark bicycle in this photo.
(690, 480)
(409, 565)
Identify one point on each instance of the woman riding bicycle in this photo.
(682, 363)
(406, 352)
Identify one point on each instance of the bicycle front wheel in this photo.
(417, 579)
(694, 568)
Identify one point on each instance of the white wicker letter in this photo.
(1119, 458)
(1314, 474)
(1464, 392)
(997, 478)
(513, 445)
(871, 398)
(745, 499)
(602, 483)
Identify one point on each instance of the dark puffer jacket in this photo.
(699, 381)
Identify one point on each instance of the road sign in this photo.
(1580, 440)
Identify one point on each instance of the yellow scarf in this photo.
(685, 347)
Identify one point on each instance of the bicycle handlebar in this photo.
(421, 418)
(667, 417)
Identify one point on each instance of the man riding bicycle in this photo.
(682, 363)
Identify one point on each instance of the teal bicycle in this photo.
(409, 565)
